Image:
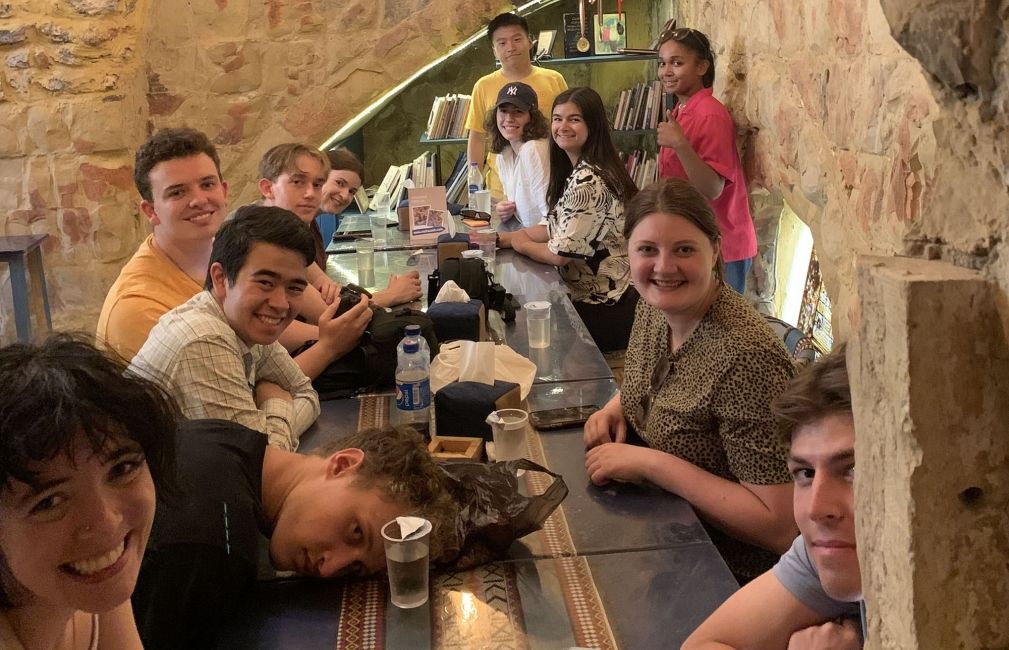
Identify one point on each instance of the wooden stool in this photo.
(19, 252)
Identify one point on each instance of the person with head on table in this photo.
(701, 370)
(583, 233)
(218, 354)
(243, 507)
(294, 177)
(519, 137)
(698, 143)
(178, 176)
(82, 446)
(508, 34)
(812, 598)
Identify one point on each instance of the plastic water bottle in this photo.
(475, 181)
(413, 380)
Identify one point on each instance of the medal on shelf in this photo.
(583, 44)
(620, 16)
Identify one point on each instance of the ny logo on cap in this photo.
(512, 90)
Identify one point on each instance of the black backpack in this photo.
(372, 364)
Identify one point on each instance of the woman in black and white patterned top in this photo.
(583, 235)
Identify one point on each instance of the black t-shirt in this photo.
(204, 549)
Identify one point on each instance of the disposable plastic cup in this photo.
(509, 429)
(482, 200)
(407, 562)
(378, 226)
(487, 240)
(538, 323)
(365, 256)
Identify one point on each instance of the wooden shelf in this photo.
(440, 141)
(598, 58)
(632, 131)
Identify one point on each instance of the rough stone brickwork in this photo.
(82, 83)
(879, 153)
(930, 374)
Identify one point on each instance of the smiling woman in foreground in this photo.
(701, 371)
(81, 447)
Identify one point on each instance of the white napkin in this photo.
(409, 526)
(477, 363)
(451, 292)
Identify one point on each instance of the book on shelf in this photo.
(639, 107)
(455, 185)
(447, 117)
(642, 167)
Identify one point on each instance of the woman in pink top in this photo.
(698, 143)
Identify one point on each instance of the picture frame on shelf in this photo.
(545, 44)
(608, 38)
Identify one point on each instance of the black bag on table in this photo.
(372, 364)
(472, 277)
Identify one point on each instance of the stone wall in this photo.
(871, 149)
(82, 83)
(883, 124)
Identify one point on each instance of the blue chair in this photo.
(802, 347)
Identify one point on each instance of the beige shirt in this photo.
(196, 356)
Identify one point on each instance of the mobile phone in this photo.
(351, 235)
(561, 418)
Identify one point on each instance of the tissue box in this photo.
(459, 320)
(461, 408)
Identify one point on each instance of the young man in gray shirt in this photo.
(812, 598)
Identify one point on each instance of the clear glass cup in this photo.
(407, 560)
(538, 323)
(509, 429)
(365, 259)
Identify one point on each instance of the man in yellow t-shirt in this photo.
(509, 37)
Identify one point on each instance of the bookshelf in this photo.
(438, 143)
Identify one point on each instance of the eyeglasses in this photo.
(659, 376)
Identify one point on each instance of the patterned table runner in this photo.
(481, 607)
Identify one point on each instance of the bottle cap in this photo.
(411, 345)
(411, 330)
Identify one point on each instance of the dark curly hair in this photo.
(397, 461)
(63, 388)
(536, 129)
(169, 144)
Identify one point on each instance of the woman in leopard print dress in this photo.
(702, 368)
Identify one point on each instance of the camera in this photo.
(350, 295)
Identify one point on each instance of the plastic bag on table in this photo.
(492, 513)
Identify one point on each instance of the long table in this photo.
(618, 566)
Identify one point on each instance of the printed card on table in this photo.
(429, 215)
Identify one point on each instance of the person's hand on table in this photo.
(505, 209)
(670, 134)
(617, 461)
(401, 289)
(605, 425)
(829, 636)
(268, 390)
(340, 334)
